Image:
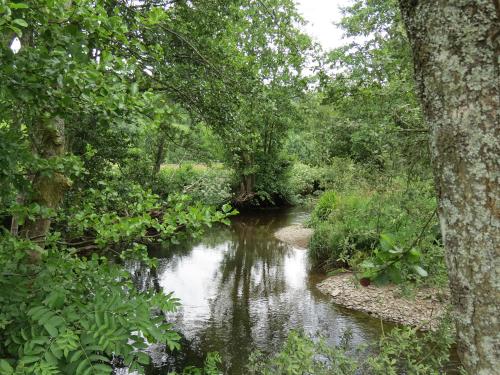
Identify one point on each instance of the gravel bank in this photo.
(296, 235)
(384, 302)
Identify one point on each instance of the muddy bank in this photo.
(296, 235)
(385, 302)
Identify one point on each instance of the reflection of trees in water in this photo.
(251, 286)
(251, 279)
(169, 256)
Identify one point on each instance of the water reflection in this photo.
(242, 289)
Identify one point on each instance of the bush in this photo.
(303, 355)
(304, 180)
(210, 185)
(342, 174)
(402, 351)
(72, 315)
(341, 230)
(389, 235)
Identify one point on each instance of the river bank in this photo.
(296, 235)
(423, 310)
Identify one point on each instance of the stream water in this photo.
(241, 289)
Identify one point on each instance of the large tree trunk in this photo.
(48, 190)
(456, 50)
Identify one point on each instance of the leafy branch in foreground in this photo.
(72, 315)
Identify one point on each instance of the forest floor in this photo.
(422, 310)
(296, 235)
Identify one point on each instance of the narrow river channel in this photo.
(241, 289)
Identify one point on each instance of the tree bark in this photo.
(159, 155)
(48, 190)
(456, 56)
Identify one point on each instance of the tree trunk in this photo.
(456, 50)
(247, 187)
(48, 190)
(159, 155)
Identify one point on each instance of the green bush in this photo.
(211, 185)
(341, 230)
(344, 175)
(402, 351)
(71, 315)
(389, 235)
(302, 355)
(304, 180)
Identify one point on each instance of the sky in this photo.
(321, 15)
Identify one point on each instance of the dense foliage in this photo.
(97, 96)
(401, 351)
(126, 124)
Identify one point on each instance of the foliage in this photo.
(405, 350)
(401, 351)
(304, 180)
(388, 234)
(340, 174)
(212, 185)
(211, 366)
(74, 315)
(302, 355)
(117, 213)
(375, 116)
(271, 184)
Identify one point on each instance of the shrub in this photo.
(304, 180)
(343, 175)
(389, 235)
(402, 351)
(210, 185)
(340, 229)
(303, 355)
(72, 315)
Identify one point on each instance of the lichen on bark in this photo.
(456, 56)
(48, 189)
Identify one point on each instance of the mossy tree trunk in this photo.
(48, 188)
(456, 51)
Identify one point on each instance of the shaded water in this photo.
(241, 289)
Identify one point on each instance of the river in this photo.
(241, 290)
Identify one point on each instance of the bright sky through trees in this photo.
(321, 16)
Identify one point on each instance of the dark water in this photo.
(241, 289)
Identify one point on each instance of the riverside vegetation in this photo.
(124, 125)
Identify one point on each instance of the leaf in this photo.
(20, 22)
(396, 250)
(394, 275)
(18, 6)
(51, 329)
(387, 242)
(101, 367)
(420, 271)
(5, 367)
(414, 255)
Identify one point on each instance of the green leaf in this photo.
(420, 271)
(5, 367)
(414, 255)
(387, 242)
(18, 6)
(20, 22)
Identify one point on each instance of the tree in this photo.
(369, 85)
(455, 49)
(240, 74)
